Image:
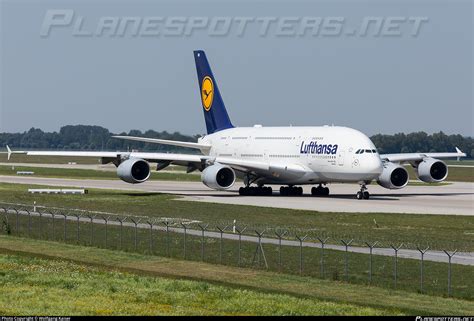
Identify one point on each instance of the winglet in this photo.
(460, 153)
(9, 152)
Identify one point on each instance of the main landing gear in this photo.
(320, 191)
(363, 193)
(255, 191)
(291, 191)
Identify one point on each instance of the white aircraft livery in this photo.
(263, 156)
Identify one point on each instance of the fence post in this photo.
(18, 222)
(221, 230)
(240, 231)
(346, 258)
(395, 272)
(167, 224)
(450, 255)
(106, 221)
(280, 236)
(121, 220)
(259, 250)
(422, 252)
(54, 225)
(150, 223)
(91, 218)
(185, 228)
(39, 223)
(78, 216)
(301, 240)
(371, 246)
(203, 228)
(136, 231)
(323, 242)
(29, 223)
(65, 222)
(6, 220)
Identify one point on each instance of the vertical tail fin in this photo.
(215, 113)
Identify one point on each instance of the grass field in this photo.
(194, 248)
(469, 162)
(455, 174)
(33, 286)
(437, 231)
(84, 280)
(94, 174)
(22, 158)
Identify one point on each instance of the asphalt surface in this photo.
(454, 199)
(464, 258)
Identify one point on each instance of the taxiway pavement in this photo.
(454, 199)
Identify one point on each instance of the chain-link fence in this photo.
(396, 266)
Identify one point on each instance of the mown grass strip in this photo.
(387, 301)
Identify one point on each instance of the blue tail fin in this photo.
(215, 113)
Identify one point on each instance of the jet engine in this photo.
(218, 176)
(134, 171)
(393, 176)
(431, 170)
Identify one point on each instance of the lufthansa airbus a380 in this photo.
(262, 156)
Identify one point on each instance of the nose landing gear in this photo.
(363, 193)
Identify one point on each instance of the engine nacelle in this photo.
(218, 176)
(393, 176)
(432, 170)
(134, 171)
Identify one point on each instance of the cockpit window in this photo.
(370, 151)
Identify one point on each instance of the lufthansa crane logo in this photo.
(207, 93)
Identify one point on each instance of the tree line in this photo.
(82, 137)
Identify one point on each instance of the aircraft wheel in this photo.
(326, 191)
(366, 195)
(359, 195)
(269, 191)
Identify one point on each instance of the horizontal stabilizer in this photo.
(166, 142)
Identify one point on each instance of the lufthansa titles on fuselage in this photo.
(314, 148)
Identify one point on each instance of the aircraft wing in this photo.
(107, 157)
(418, 157)
(191, 161)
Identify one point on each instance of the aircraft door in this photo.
(340, 158)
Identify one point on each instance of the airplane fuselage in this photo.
(321, 154)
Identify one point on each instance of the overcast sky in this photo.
(375, 83)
